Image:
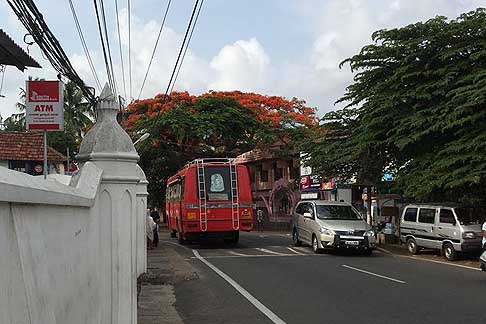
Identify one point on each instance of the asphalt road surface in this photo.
(265, 279)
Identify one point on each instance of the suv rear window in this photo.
(410, 215)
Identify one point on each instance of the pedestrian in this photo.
(260, 220)
(156, 217)
(483, 242)
(149, 230)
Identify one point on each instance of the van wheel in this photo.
(295, 238)
(449, 252)
(315, 244)
(412, 246)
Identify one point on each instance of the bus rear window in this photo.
(217, 183)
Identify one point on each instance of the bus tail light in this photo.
(246, 214)
(191, 216)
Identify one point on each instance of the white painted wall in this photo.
(72, 253)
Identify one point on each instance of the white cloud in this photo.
(243, 65)
(341, 29)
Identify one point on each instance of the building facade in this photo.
(24, 152)
(274, 183)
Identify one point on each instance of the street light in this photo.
(142, 138)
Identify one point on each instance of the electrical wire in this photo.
(85, 47)
(3, 68)
(155, 48)
(187, 46)
(129, 46)
(107, 38)
(177, 62)
(120, 48)
(105, 56)
(181, 49)
(32, 19)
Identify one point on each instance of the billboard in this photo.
(44, 105)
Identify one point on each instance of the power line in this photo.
(155, 48)
(177, 61)
(182, 48)
(33, 21)
(85, 47)
(129, 46)
(120, 48)
(3, 68)
(107, 64)
(187, 46)
(115, 89)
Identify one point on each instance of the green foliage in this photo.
(418, 106)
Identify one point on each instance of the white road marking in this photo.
(289, 248)
(374, 274)
(302, 249)
(440, 262)
(236, 253)
(176, 244)
(249, 256)
(268, 251)
(262, 308)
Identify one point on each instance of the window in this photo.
(337, 212)
(278, 173)
(308, 208)
(410, 215)
(264, 176)
(446, 216)
(299, 209)
(426, 215)
(217, 183)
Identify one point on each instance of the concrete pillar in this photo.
(122, 203)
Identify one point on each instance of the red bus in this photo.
(209, 198)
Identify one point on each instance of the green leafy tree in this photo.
(418, 105)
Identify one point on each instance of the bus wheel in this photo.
(180, 238)
(234, 240)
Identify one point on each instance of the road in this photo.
(266, 280)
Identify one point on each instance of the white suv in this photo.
(331, 224)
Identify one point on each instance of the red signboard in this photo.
(44, 105)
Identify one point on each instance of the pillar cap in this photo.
(107, 140)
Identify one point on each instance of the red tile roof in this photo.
(26, 147)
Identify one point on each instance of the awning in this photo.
(13, 54)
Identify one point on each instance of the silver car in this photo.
(330, 224)
(450, 229)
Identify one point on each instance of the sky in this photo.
(289, 48)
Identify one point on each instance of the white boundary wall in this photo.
(72, 253)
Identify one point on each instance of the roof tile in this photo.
(26, 147)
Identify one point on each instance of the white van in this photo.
(450, 229)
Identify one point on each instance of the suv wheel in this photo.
(315, 244)
(295, 238)
(449, 252)
(412, 246)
